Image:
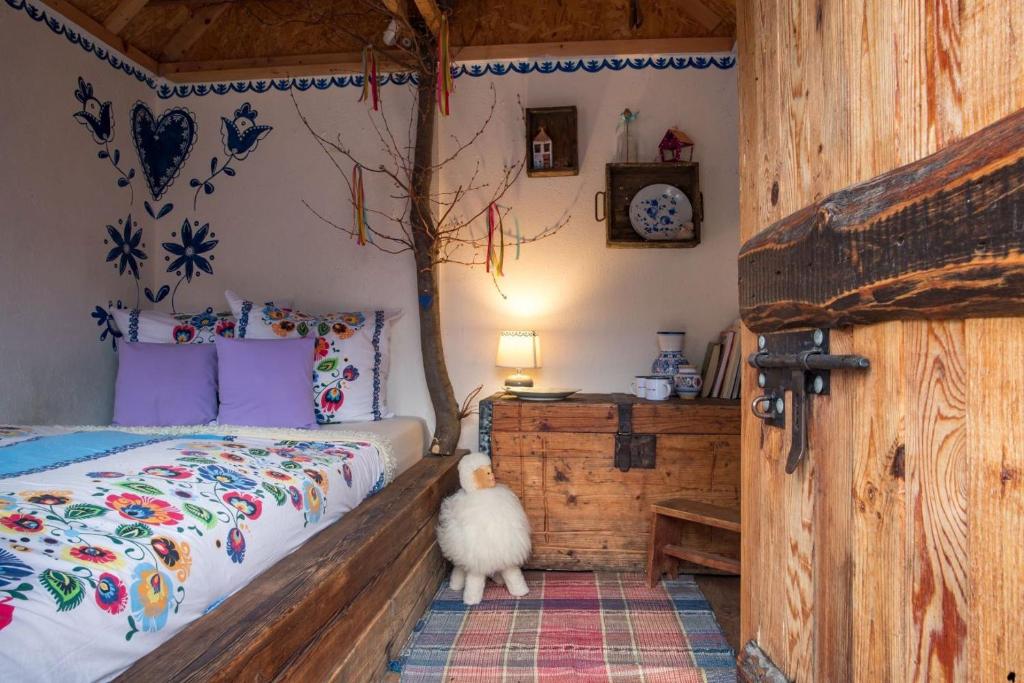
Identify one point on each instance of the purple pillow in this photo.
(161, 385)
(266, 383)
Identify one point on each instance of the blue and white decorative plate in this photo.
(661, 212)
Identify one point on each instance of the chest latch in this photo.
(798, 362)
(633, 450)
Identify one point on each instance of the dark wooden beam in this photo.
(940, 238)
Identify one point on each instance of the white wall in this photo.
(56, 198)
(596, 308)
(271, 245)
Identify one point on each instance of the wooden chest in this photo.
(585, 472)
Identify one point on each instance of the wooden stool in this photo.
(674, 519)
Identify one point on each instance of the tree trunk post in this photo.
(425, 250)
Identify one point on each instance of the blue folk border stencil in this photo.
(474, 70)
(166, 90)
(55, 23)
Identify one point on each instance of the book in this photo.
(734, 390)
(710, 368)
(730, 369)
(728, 338)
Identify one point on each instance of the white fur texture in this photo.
(483, 532)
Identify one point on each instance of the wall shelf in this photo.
(560, 125)
(624, 180)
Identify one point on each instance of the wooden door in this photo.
(896, 551)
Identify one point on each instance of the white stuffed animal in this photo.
(483, 530)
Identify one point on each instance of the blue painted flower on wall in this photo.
(163, 144)
(126, 246)
(126, 250)
(105, 320)
(240, 136)
(191, 254)
(95, 115)
(98, 119)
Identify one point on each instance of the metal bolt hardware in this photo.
(798, 362)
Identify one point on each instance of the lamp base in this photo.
(519, 379)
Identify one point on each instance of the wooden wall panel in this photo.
(914, 485)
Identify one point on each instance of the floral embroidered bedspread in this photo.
(112, 540)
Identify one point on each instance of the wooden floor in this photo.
(723, 592)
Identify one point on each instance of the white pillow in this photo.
(181, 328)
(352, 350)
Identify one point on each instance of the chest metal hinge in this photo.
(798, 362)
(633, 450)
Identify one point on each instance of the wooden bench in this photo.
(671, 518)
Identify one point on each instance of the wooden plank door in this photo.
(896, 551)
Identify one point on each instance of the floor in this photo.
(723, 592)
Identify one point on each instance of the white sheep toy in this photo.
(483, 530)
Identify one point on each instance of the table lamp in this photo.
(518, 349)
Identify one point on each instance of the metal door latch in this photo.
(798, 362)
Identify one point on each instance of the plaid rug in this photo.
(573, 626)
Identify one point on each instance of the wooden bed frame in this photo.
(338, 608)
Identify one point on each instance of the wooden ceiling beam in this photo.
(125, 11)
(707, 17)
(396, 7)
(431, 14)
(102, 34)
(351, 62)
(192, 30)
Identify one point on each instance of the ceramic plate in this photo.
(661, 212)
(541, 393)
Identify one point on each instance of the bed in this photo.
(173, 551)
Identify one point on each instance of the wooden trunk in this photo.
(894, 552)
(586, 513)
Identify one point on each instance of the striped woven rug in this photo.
(573, 626)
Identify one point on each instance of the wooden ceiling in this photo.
(187, 40)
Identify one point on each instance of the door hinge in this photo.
(798, 362)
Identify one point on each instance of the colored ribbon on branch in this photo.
(495, 251)
(519, 237)
(371, 86)
(359, 204)
(444, 69)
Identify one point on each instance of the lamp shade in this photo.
(518, 349)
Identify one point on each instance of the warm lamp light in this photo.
(518, 349)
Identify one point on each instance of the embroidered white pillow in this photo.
(352, 354)
(157, 327)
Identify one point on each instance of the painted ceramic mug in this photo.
(659, 388)
(688, 382)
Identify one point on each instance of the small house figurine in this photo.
(542, 157)
(673, 144)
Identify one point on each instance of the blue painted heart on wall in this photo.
(163, 144)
